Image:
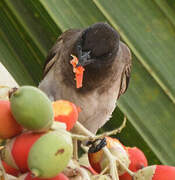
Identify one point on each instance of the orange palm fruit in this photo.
(84, 162)
(66, 112)
(8, 125)
(99, 161)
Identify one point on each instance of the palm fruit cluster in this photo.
(132, 158)
(38, 144)
(32, 145)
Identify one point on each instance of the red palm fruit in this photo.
(17, 149)
(164, 173)
(8, 125)
(66, 112)
(28, 176)
(10, 170)
(95, 159)
(99, 161)
(137, 161)
(156, 172)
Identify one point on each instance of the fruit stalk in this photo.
(91, 137)
(113, 132)
(75, 149)
(112, 164)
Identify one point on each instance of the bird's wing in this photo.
(50, 60)
(126, 55)
(56, 49)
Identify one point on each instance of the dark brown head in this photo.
(97, 45)
(96, 48)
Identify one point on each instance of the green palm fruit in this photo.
(50, 154)
(31, 108)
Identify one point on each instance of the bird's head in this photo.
(97, 51)
(97, 45)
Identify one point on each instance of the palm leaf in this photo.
(28, 29)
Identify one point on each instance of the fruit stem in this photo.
(85, 148)
(113, 132)
(35, 173)
(58, 125)
(75, 149)
(91, 137)
(81, 137)
(81, 129)
(124, 167)
(112, 161)
(112, 164)
(84, 174)
(104, 170)
(12, 91)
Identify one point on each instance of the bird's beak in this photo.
(85, 59)
(84, 62)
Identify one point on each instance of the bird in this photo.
(107, 65)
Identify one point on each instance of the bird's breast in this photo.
(96, 108)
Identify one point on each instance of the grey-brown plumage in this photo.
(107, 63)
